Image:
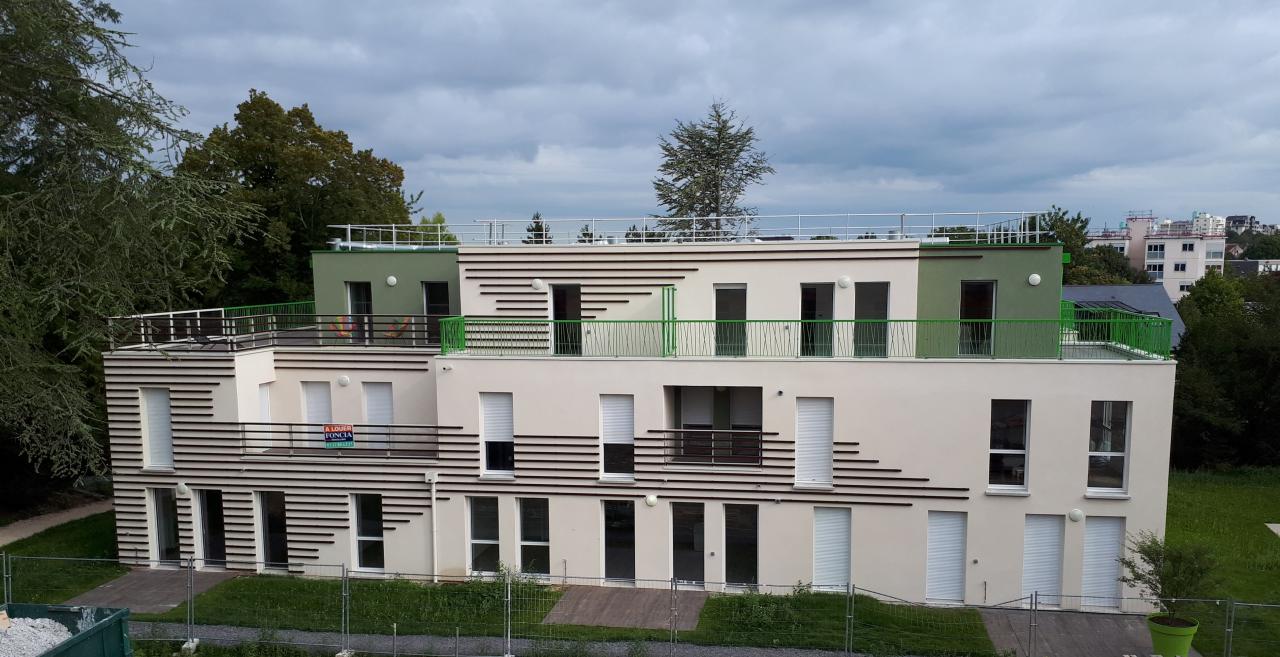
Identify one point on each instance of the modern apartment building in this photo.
(921, 417)
(1175, 253)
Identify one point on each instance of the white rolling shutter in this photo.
(814, 434)
(944, 579)
(617, 419)
(318, 405)
(159, 430)
(695, 405)
(1103, 543)
(378, 411)
(830, 547)
(264, 402)
(1042, 557)
(495, 410)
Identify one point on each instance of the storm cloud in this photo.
(498, 109)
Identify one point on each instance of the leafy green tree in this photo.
(706, 168)
(437, 229)
(1088, 265)
(93, 221)
(303, 178)
(537, 232)
(1264, 247)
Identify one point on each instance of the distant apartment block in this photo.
(1174, 253)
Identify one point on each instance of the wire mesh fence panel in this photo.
(54, 580)
(1121, 621)
(579, 615)
(425, 615)
(886, 625)
(1255, 630)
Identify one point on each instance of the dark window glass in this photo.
(166, 509)
(731, 326)
(499, 455)
(535, 559)
(435, 297)
(566, 310)
(1108, 442)
(619, 539)
(535, 525)
(274, 524)
(1009, 424)
(213, 527)
(977, 309)
(687, 541)
(360, 306)
(741, 543)
(485, 557)
(1106, 471)
(371, 554)
(619, 458)
(816, 300)
(871, 308)
(1008, 470)
(484, 534)
(369, 515)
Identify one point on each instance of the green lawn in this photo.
(1227, 511)
(51, 581)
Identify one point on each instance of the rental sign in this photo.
(339, 435)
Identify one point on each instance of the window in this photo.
(274, 526)
(1185, 287)
(164, 507)
(741, 543)
(871, 305)
(360, 309)
(1008, 465)
(977, 309)
(484, 534)
(617, 436)
(619, 539)
(1108, 444)
(1179, 266)
(435, 304)
(1156, 271)
(317, 407)
(1155, 251)
(369, 545)
(497, 432)
(716, 425)
(1213, 255)
(731, 315)
(213, 530)
(815, 419)
(157, 427)
(566, 311)
(1188, 247)
(535, 536)
(688, 544)
(1213, 268)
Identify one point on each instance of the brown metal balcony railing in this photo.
(407, 441)
(714, 447)
(215, 333)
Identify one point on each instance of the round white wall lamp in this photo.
(844, 282)
(344, 380)
(651, 500)
(392, 280)
(539, 285)
(183, 489)
(1076, 515)
(1033, 280)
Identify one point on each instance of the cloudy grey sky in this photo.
(497, 109)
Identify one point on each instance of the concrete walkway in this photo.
(150, 590)
(1070, 633)
(21, 529)
(605, 606)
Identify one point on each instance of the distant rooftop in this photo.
(1004, 227)
(1143, 298)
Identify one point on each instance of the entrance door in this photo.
(830, 548)
(871, 310)
(619, 539)
(165, 504)
(566, 310)
(731, 321)
(359, 309)
(944, 579)
(977, 310)
(815, 319)
(688, 542)
(1042, 557)
(275, 541)
(741, 544)
(1103, 544)
(213, 536)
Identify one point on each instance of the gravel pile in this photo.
(29, 637)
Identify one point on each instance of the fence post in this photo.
(672, 635)
(191, 619)
(1231, 622)
(345, 631)
(1031, 636)
(850, 591)
(7, 585)
(506, 652)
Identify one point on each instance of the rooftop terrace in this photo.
(935, 228)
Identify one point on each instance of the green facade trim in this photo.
(333, 269)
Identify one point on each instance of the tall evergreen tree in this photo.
(706, 168)
(537, 231)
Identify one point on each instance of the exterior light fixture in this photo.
(844, 282)
(1033, 280)
(392, 280)
(651, 500)
(539, 285)
(1076, 515)
(183, 489)
(344, 380)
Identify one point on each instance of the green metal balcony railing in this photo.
(1115, 336)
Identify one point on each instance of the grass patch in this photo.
(1227, 512)
(257, 649)
(51, 581)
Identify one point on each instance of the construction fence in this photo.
(331, 609)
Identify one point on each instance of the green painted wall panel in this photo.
(332, 269)
(943, 268)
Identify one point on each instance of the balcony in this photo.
(214, 330)
(715, 447)
(1088, 334)
(378, 441)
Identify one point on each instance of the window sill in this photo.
(498, 476)
(814, 487)
(1104, 495)
(617, 479)
(165, 469)
(1008, 492)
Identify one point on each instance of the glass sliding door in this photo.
(275, 538)
(165, 506)
(741, 544)
(871, 310)
(688, 542)
(566, 310)
(977, 312)
(213, 529)
(731, 321)
(359, 309)
(815, 319)
(619, 539)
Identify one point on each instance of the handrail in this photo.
(415, 441)
(283, 329)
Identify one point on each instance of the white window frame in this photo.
(357, 539)
(1025, 452)
(606, 439)
(520, 534)
(1188, 247)
(471, 537)
(1128, 439)
(1180, 266)
(1155, 251)
(149, 432)
(486, 438)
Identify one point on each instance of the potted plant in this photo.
(1170, 573)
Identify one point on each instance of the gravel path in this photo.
(28, 637)
(330, 642)
(31, 526)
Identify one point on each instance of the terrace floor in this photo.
(607, 606)
(1070, 633)
(150, 590)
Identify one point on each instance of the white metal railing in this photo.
(937, 227)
